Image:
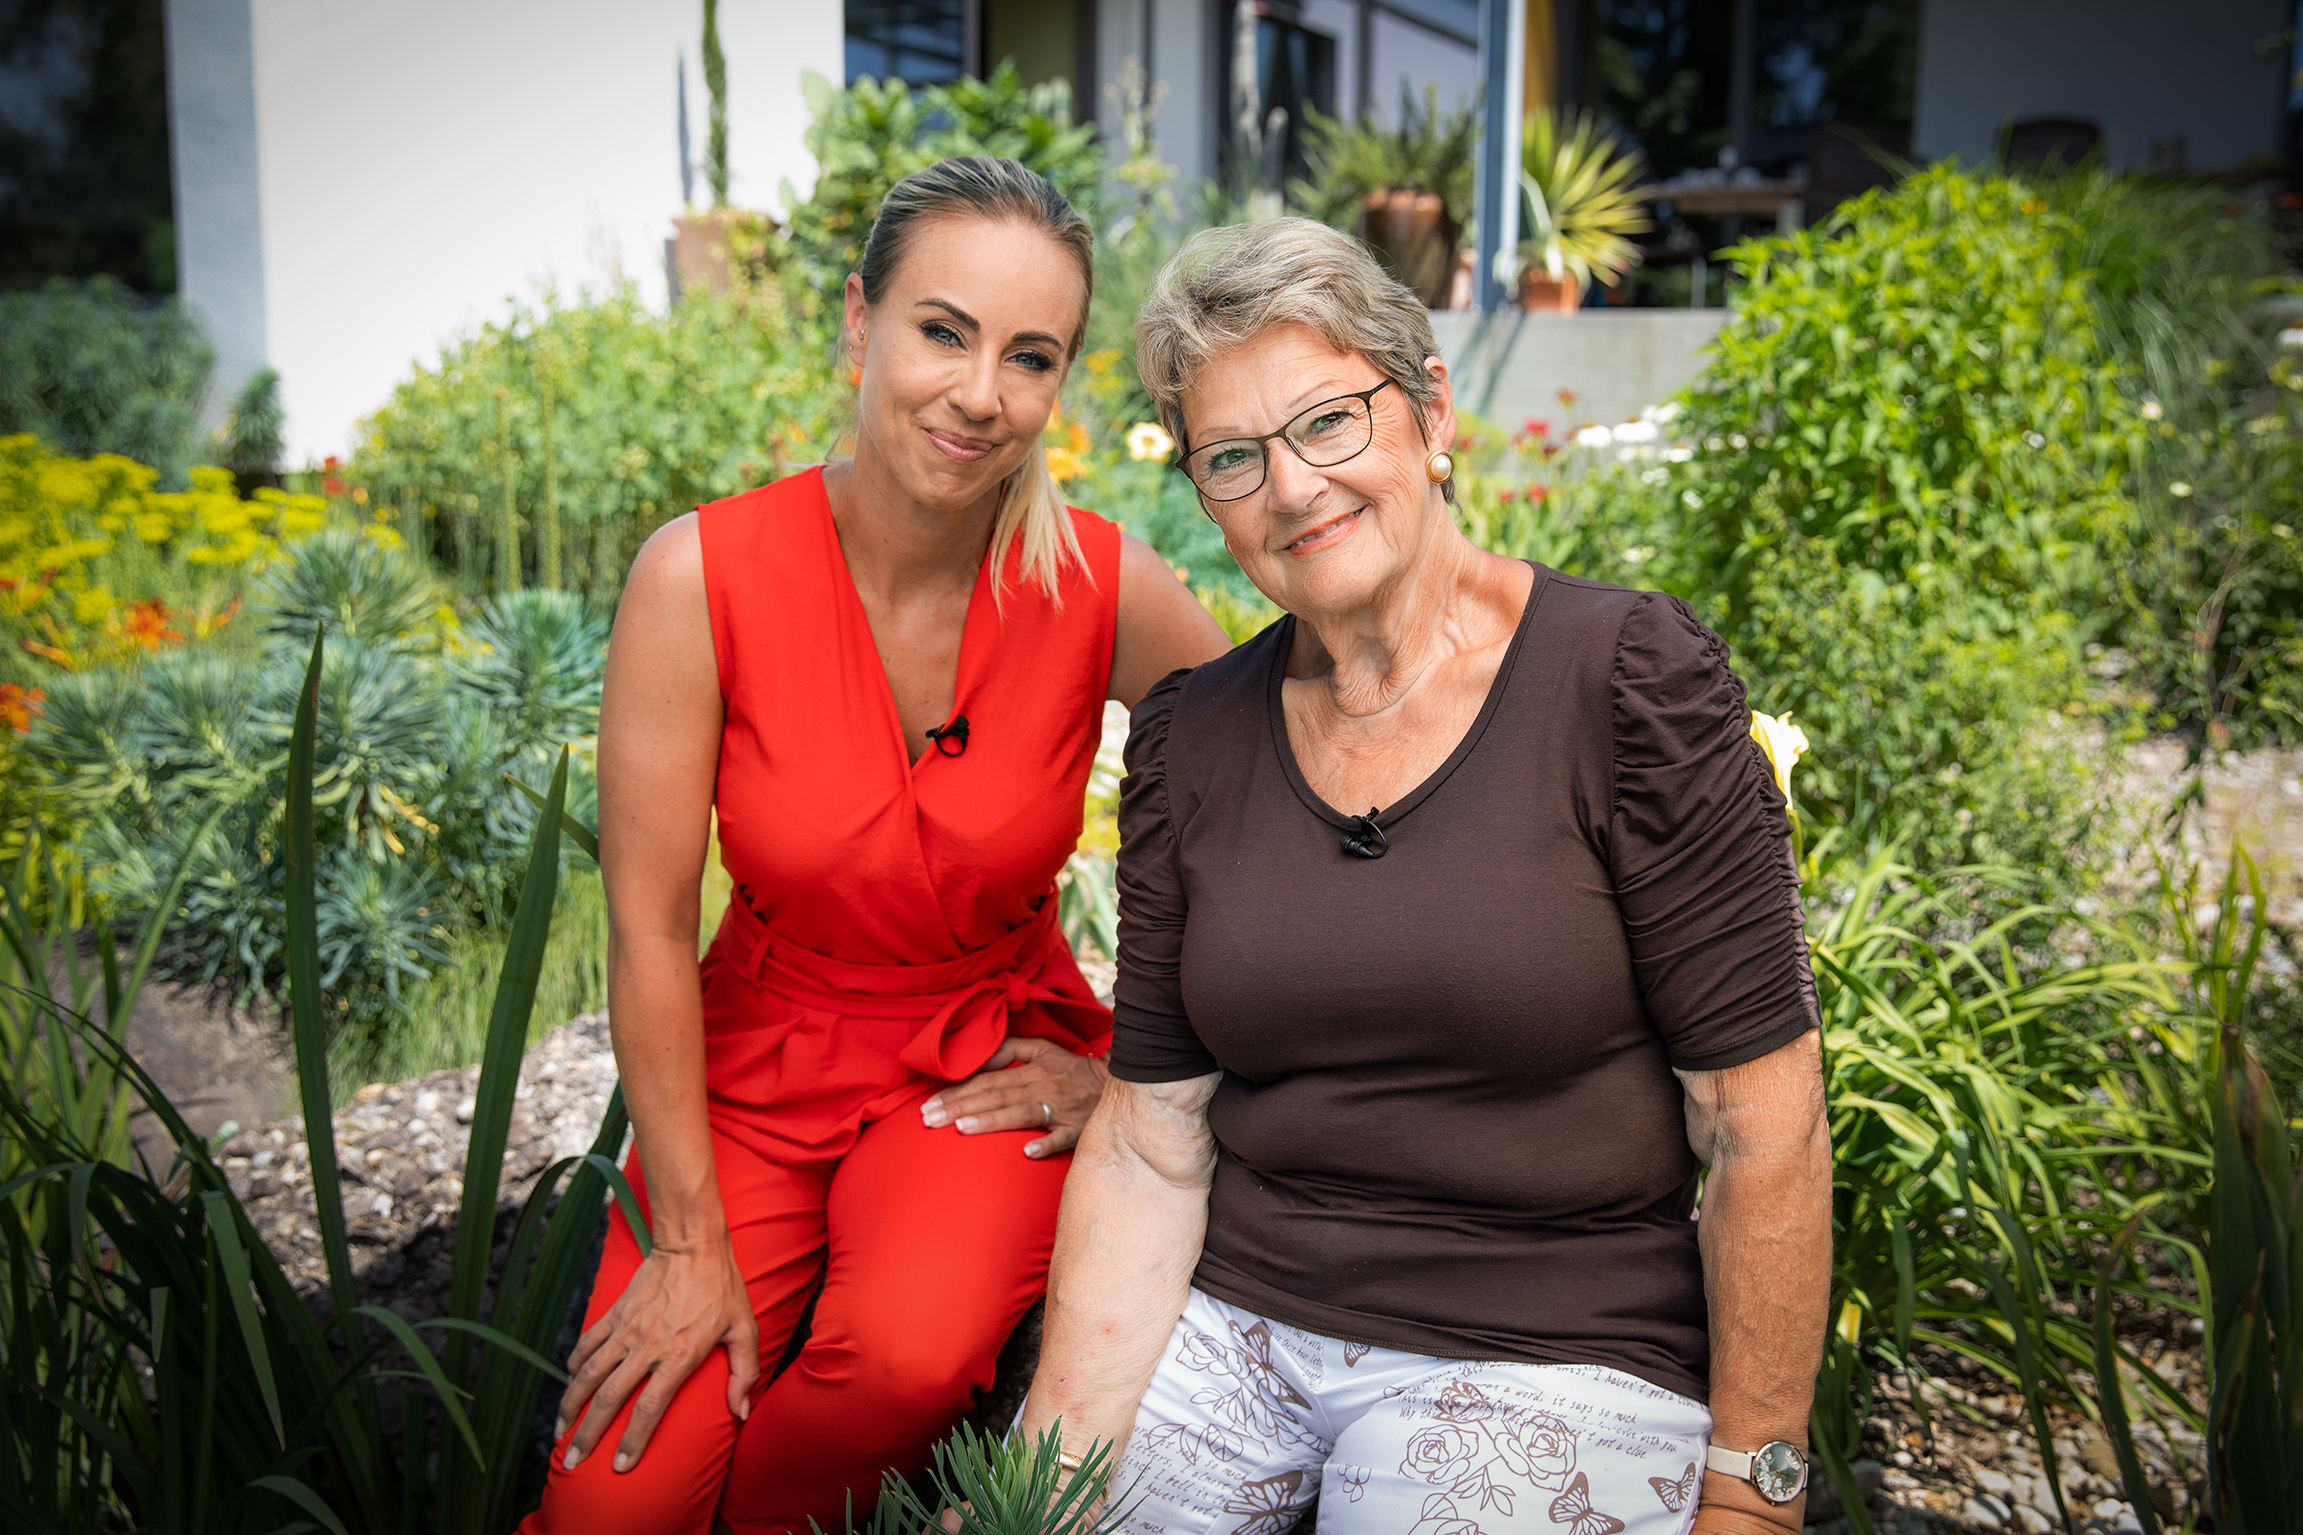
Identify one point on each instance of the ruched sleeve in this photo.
(1152, 1039)
(1699, 848)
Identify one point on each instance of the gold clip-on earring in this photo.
(1440, 467)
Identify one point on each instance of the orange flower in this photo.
(18, 705)
(145, 625)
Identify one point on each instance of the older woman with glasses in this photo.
(1460, 953)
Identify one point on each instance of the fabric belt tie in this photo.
(965, 1007)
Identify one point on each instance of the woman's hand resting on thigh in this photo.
(680, 1305)
(1028, 1084)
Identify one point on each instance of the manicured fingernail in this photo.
(933, 1112)
(574, 1455)
(1033, 1150)
(966, 1126)
(623, 1462)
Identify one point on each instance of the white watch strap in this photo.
(1735, 1463)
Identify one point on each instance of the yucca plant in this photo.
(157, 1368)
(981, 1486)
(1426, 150)
(1582, 199)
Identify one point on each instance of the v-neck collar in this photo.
(1399, 809)
(978, 597)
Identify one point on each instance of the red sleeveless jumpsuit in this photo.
(893, 922)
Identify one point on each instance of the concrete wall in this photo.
(1509, 367)
(415, 165)
(2144, 69)
(219, 217)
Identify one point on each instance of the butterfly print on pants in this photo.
(1271, 1505)
(1573, 1509)
(1676, 1495)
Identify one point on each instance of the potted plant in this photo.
(1405, 190)
(1581, 206)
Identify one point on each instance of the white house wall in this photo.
(2145, 70)
(419, 164)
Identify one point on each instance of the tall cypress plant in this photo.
(716, 81)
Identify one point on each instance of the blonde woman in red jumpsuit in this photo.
(870, 1086)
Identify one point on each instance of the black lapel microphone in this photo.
(951, 739)
(1366, 839)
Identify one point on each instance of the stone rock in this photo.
(1995, 1481)
(1979, 1511)
(1823, 1500)
(2031, 1521)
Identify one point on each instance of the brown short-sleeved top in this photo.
(1448, 1121)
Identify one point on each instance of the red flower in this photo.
(329, 483)
(1538, 428)
(1507, 496)
(1539, 493)
(1568, 397)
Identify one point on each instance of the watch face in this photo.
(1779, 1471)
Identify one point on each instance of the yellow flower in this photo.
(1064, 464)
(1147, 440)
(1784, 743)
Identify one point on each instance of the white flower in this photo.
(1680, 454)
(2179, 490)
(1146, 439)
(1694, 501)
(1667, 411)
(2151, 410)
(1594, 437)
(1636, 431)
(1784, 743)
(1640, 555)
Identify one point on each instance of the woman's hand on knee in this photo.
(1028, 1084)
(680, 1305)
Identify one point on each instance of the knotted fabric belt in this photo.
(965, 1007)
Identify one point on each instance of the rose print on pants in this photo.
(1440, 1454)
(1537, 1445)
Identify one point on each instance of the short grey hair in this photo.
(1230, 284)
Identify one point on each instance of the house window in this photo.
(925, 42)
(1294, 68)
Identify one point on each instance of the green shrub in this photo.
(545, 448)
(2210, 607)
(85, 368)
(1900, 485)
(420, 835)
(874, 133)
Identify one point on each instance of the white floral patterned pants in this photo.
(1247, 1420)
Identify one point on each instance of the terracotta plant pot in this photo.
(698, 255)
(1538, 292)
(1413, 236)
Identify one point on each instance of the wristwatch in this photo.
(1777, 1470)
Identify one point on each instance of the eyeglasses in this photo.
(1323, 436)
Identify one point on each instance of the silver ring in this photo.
(1047, 1116)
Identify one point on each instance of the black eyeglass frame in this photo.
(1366, 397)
